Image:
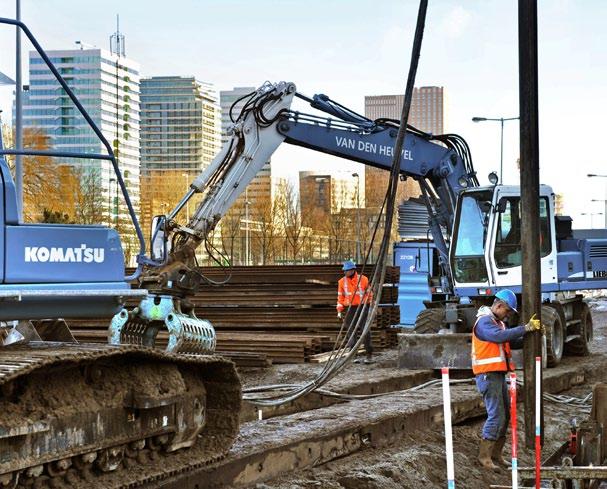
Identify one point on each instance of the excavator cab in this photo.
(486, 253)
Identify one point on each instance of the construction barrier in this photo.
(538, 423)
(448, 430)
(513, 427)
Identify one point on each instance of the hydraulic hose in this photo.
(342, 355)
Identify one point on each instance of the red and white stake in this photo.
(448, 430)
(538, 427)
(513, 428)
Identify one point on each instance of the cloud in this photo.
(456, 21)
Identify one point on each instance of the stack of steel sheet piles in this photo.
(285, 312)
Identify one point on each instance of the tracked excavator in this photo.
(78, 411)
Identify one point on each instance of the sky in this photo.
(351, 48)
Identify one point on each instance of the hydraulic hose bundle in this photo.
(341, 356)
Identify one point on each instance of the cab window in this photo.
(508, 252)
(470, 235)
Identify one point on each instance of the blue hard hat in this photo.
(508, 297)
(348, 265)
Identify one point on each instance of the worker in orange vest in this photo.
(491, 360)
(352, 292)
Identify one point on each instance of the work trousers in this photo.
(350, 315)
(494, 389)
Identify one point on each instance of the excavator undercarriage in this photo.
(74, 411)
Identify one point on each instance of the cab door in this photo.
(505, 256)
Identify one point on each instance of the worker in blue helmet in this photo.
(492, 341)
(354, 297)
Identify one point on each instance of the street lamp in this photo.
(591, 214)
(187, 206)
(501, 121)
(591, 175)
(247, 236)
(109, 200)
(355, 175)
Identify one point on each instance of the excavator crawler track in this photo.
(70, 413)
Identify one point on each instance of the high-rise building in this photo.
(427, 113)
(107, 85)
(322, 194)
(315, 195)
(179, 124)
(180, 136)
(260, 188)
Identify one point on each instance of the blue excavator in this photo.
(475, 230)
(73, 410)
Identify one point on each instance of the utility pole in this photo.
(117, 47)
(187, 206)
(109, 201)
(246, 229)
(18, 118)
(530, 189)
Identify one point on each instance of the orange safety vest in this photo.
(348, 294)
(488, 356)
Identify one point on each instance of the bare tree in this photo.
(89, 198)
(50, 188)
(266, 214)
(294, 230)
(230, 229)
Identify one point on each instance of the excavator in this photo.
(75, 411)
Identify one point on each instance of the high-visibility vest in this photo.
(349, 294)
(488, 356)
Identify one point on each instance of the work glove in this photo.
(339, 315)
(533, 325)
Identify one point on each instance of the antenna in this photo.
(117, 44)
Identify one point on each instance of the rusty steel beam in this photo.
(530, 186)
(566, 473)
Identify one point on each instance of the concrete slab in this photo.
(434, 351)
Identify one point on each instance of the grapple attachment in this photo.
(156, 319)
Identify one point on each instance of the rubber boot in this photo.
(497, 457)
(484, 455)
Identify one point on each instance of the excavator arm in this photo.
(253, 140)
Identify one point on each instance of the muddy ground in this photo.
(418, 460)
